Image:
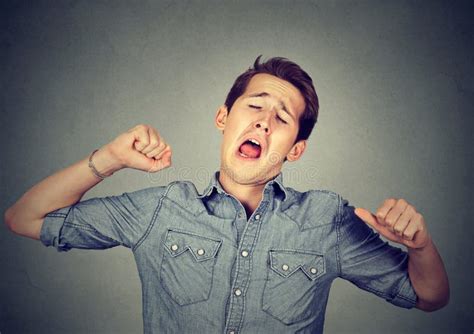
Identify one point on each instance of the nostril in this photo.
(258, 125)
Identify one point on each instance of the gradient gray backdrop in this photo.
(395, 80)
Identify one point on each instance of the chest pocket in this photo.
(187, 268)
(293, 277)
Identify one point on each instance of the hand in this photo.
(141, 148)
(398, 221)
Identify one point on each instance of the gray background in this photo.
(395, 80)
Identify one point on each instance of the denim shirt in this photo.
(207, 268)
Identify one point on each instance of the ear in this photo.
(221, 117)
(296, 151)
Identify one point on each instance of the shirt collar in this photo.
(214, 184)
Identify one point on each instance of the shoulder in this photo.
(313, 207)
(179, 191)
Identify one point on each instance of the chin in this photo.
(249, 174)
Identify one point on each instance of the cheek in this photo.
(236, 124)
(284, 141)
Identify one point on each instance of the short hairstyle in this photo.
(288, 71)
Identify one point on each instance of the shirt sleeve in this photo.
(371, 263)
(102, 222)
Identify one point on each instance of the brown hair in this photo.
(288, 71)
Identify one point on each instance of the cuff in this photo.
(51, 229)
(406, 296)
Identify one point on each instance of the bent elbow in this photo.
(431, 306)
(8, 219)
(21, 226)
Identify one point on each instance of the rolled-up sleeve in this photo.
(102, 222)
(371, 263)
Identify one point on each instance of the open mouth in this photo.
(250, 149)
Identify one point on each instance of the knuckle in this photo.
(154, 141)
(390, 200)
(402, 202)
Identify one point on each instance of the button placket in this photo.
(244, 268)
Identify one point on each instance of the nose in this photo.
(264, 123)
(263, 126)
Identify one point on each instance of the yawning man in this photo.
(248, 254)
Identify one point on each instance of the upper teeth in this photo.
(254, 141)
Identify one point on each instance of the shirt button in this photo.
(285, 267)
(313, 270)
(240, 216)
(244, 253)
(238, 292)
(257, 216)
(174, 247)
(200, 251)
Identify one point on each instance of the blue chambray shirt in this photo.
(207, 268)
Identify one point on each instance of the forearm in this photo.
(428, 277)
(58, 190)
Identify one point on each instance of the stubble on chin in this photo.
(252, 175)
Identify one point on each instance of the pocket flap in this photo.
(286, 262)
(202, 248)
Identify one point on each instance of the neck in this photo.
(249, 195)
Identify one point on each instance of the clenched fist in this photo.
(398, 221)
(140, 148)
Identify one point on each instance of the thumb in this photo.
(367, 217)
(141, 162)
(161, 163)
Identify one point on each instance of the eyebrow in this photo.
(281, 104)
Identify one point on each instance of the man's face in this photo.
(261, 129)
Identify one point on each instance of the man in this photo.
(248, 255)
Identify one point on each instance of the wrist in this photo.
(104, 162)
(426, 245)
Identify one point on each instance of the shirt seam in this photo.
(60, 215)
(91, 229)
(338, 234)
(388, 296)
(153, 218)
(81, 227)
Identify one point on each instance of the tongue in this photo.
(252, 151)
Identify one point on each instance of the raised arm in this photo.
(140, 148)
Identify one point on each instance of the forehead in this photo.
(277, 88)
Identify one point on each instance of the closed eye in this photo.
(254, 106)
(281, 120)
